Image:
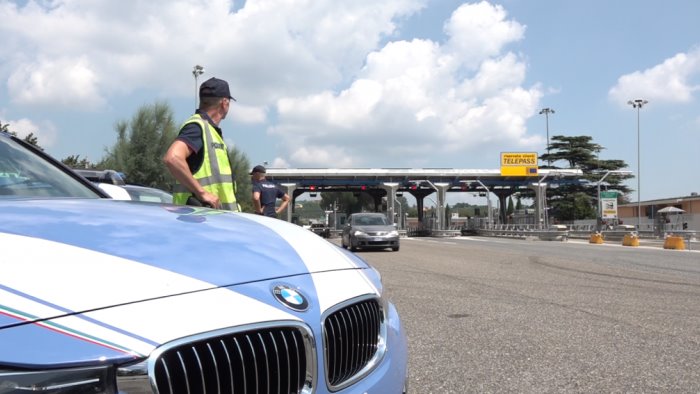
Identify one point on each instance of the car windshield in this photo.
(24, 173)
(370, 220)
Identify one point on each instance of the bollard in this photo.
(674, 242)
(630, 240)
(596, 238)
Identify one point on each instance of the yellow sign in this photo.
(518, 164)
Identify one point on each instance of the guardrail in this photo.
(427, 232)
(689, 235)
(560, 233)
(553, 233)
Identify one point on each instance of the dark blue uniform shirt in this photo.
(269, 193)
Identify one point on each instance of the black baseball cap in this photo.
(215, 87)
(259, 169)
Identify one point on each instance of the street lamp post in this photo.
(196, 72)
(638, 104)
(546, 112)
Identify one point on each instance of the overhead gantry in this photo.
(420, 183)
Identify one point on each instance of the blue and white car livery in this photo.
(105, 296)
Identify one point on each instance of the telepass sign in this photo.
(518, 164)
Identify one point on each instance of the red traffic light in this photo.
(363, 187)
(312, 187)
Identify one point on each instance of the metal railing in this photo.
(554, 233)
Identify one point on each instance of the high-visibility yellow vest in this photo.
(215, 172)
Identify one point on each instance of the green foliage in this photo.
(510, 209)
(465, 209)
(571, 202)
(308, 211)
(74, 161)
(29, 138)
(240, 165)
(574, 206)
(348, 202)
(141, 144)
(576, 151)
(32, 139)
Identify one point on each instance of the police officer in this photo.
(198, 158)
(266, 193)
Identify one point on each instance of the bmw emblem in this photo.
(290, 297)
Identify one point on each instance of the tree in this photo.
(510, 209)
(32, 139)
(347, 202)
(240, 165)
(141, 144)
(579, 200)
(74, 161)
(29, 138)
(352, 202)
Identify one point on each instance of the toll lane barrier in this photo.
(596, 238)
(674, 242)
(630, 240)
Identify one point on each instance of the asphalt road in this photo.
(491, 315)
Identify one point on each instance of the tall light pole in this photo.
(546, 112)
(196, 71)
(638, 104)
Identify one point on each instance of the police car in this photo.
(106, 296)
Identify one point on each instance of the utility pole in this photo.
(546, 112)
(196, 71)
(638, 104)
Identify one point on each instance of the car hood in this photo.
(64, 257)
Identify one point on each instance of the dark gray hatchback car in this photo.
(369, 231)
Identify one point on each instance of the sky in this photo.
(368, 84)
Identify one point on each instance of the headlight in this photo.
(87, 380)
(133, 379)
(358, 233)
(75, 380)
(393, 233)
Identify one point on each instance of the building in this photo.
(688, 218)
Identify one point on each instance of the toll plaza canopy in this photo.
(419, 182)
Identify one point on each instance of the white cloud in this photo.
(330, 73)
(45, 132)
(479, 31)
(267, 50)
(417, 96)
(279, 162)
(668, 82)
(322, 156)
(61, 82)
(248, 114)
